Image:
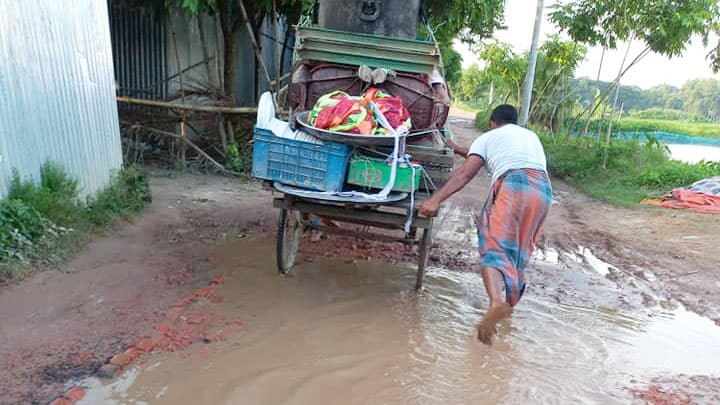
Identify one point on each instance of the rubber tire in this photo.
(286, 255)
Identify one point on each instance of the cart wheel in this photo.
(288, 239)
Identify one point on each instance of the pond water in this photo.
(694, 153)
(684, 148)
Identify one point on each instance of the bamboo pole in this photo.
(190, 144)
(614, 106)
(255, 44)
(187, 107)
(278, 68)
(182, 88)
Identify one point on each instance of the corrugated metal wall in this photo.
(57, 91)
(139, 51)
(145, 58)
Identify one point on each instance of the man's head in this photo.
(502, 115)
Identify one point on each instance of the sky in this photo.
(651, 71)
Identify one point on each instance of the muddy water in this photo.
(357, 334)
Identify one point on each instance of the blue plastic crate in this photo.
(298, 163)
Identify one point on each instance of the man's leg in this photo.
(498, 309)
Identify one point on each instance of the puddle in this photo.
(114, 393)
(358, 334)
(548, 255)
(596, 264)
(677, 341)
(583, 255)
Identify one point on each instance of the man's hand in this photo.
(429, 208)
(457, 149)
(458, 179)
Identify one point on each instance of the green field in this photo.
(634, 170)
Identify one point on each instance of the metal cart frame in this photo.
(295, 214)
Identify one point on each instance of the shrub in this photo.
(35, 218)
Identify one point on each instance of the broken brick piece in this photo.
(133, 353)
(120, 360)
(62, 401)
(108, 370)
(75, 394)
(146, 345)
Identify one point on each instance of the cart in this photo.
(295, 220)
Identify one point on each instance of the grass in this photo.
(42, 223)
(634, 170)
(696, 129)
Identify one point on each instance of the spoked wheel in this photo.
(290, 230)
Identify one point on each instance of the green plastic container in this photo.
(375, 173)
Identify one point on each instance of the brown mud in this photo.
(610, 314)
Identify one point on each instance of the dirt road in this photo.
(619, 273)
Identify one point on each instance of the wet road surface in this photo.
(356, 333)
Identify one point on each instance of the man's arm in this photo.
(457, 181)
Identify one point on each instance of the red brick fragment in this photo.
(75, 394)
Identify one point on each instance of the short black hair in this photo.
(504, 114)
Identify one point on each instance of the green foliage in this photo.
(55, 198)
(127, 194)
(39, 220)
(470, 20)
(193, 7)
(505, 70)
(452, 62)
(482, 120)
(502, 78)
(19, 226)
(674, 172)
(699, 99)
(553, 94)
(472, 86)
(666, 114)
(239, 159)
(665, 26)
(702, 97)
(635, 170)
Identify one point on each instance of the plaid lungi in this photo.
(510, 224)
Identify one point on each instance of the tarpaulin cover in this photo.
(702, 196)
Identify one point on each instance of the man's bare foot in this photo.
(486, 329)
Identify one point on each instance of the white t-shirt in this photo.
(509, 147)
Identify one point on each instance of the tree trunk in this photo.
(530, 78)
(276, 45)
(597, 86)
(491, 94)
(226, 25)
(612, 111)
(283, 52)
(183, 147)
(254, 30)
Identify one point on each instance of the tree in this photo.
(554, 94)
(664, 26)
(452, 62)
(230, 15)
(504, 69)
(702, 97)
(469, 20)
(472, 85)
